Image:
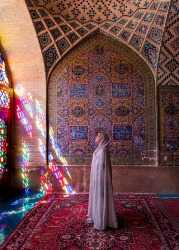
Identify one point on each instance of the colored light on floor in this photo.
(13, 211)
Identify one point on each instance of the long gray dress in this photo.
(101, 204)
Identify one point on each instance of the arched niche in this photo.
(103, 84)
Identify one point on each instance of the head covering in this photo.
(104, 141)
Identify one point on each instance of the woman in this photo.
(101, 209)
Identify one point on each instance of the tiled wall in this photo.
(141, 30)
(101, 87)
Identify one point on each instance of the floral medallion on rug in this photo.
(59, 222)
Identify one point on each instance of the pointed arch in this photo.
(131, 94)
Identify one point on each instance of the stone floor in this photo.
(13, 210)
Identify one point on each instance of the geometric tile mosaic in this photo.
(156, 35)
(73, 37)
(56, 33)
(169, 125)
(176, 28)
(82, 31)
(58, 20)
(78, 133)
(34, 14)
(115, 29)
(85, 11)
(44, 40)
(125, 34)
(170, 82)
(175, 44)
(123, 21)
(130, 12)
(99, 86)
(29, 4)
(150, 52)
(78, 91)
(143, 28)
(121, 90)
(123, 132)
(49, 22)
(167, 72)
(132, 25)
(43, 13)
(67, 23)
(154, 6)
(106, 25)
(137, 41)
(159, 20)
(90, 26)
(39, 26)
(164, 6)
(81, 18)
(148, 17)
(65, 28)
(171, 65)
(139, 15)
(50, 56)
(74, 24)
(63, 45)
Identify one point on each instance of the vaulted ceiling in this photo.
(61, 25)
(148, 27)
(94, 10)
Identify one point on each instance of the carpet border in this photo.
(45, 202)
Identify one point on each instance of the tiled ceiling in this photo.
(93, 10)
(62, 24)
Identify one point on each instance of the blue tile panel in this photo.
(78, 91)
(122, 132)
(78, 133)
(121, 90)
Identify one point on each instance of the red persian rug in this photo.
(172, 204)
(59, 222)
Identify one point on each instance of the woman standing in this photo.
(101, 209)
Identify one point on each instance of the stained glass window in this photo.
(3, 145)
(3, 72)
(4, 98)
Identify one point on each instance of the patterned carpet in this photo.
(173, 206)
(59, 222)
